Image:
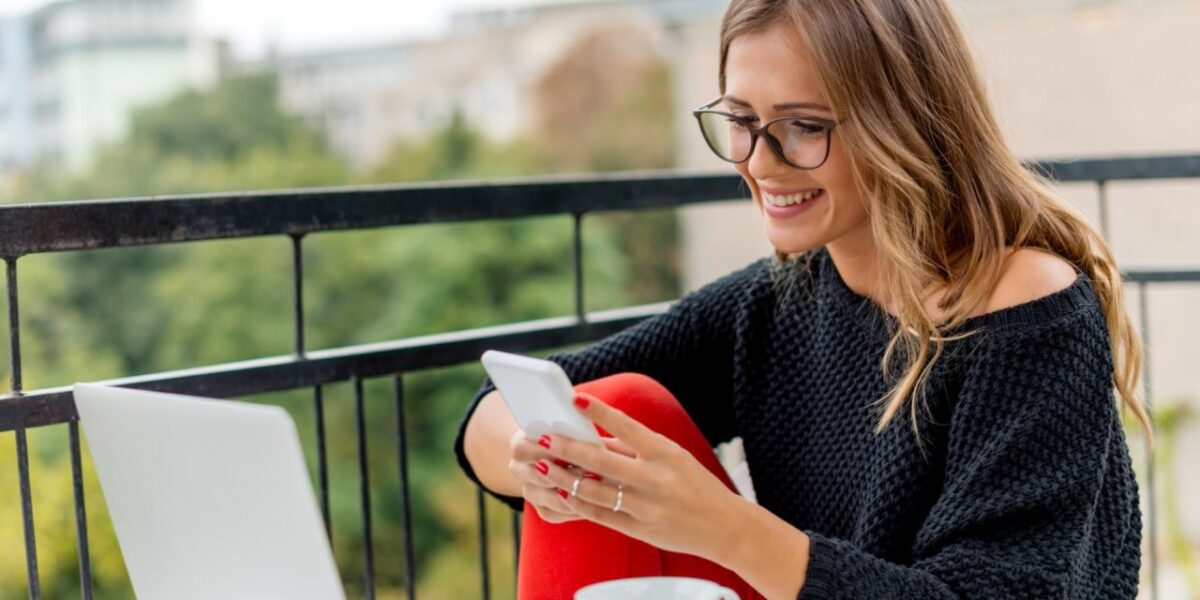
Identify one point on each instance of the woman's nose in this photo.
(763, 164)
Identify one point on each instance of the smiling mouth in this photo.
(786, 200)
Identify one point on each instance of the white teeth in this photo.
(789, 199)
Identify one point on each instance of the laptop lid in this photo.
(209, 498)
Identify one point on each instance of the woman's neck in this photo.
(857, 261)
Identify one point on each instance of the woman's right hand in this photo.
(535, 487)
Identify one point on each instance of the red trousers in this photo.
(558, 559)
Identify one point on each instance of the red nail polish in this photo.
(563, 493)
(542, 467)
(581, 402)
(544, 442)
(594, 476)
(562, 463)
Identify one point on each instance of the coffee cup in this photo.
(656, 588)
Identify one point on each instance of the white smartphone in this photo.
(540, 396)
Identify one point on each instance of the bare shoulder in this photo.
(1029, 274)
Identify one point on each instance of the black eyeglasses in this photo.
(801, 142)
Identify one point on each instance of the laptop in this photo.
(209, 498)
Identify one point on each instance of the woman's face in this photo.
(765, 73)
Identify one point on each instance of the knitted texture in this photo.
(1019, 484)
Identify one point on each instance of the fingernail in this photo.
(544, 442)
(562, 463)
(563, 493)
(542, 467)
(591, 475)
(581, 402)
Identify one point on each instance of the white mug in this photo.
(656, 588)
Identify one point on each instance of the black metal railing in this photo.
(69, 226)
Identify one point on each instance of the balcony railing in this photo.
(82, 226)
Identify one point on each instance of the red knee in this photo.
(637, 395)
(653, 405)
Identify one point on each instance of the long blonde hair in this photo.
(944, 192)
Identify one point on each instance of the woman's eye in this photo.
(807, 127)
(739, 121)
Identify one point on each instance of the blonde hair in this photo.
(944, 192)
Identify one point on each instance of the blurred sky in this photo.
(302, 25)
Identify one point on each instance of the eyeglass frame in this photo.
(755, 132)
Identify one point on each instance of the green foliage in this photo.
(457, 152)
(236, 119)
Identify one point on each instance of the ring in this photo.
(575, 487)
(620, 496)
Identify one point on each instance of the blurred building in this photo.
(485, 66)
(16, 110)
(75, 70)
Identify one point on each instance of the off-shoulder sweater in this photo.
(1019, 484)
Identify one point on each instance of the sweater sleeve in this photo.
(688, 348)
(1039, 498)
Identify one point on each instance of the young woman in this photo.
(926, 375)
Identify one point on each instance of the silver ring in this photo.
(620, 497)
(575, 487)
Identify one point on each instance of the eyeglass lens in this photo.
(804, 143)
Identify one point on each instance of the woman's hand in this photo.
(669, 499)
(535, 488)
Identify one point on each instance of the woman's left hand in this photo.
(670, 500)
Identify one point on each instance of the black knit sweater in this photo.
(1021, 485)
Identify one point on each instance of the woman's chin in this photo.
(791, 242)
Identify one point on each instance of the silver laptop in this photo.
(209, 498)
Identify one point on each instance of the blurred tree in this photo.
(457, 152)
(606, 105)
(237, 117)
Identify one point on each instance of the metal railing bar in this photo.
(31, 556)
(14, 341)
(1181, 166)
(62, 226)
(364, 481)
(298, 291)
(405, 496)
(1102, 199)
(516, 536)
(78, 225)
(322, 458)
(55, 405)
(81, 531)
(1151, 493)
(14, 325)
(481, 507)
(1162, 275)
(577, 255)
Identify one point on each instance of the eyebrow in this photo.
(788, 106)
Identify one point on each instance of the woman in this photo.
(923, 374)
